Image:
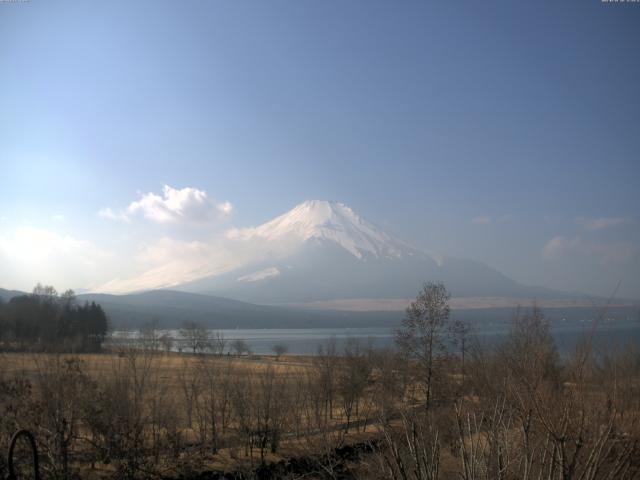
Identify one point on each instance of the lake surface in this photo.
(303, 341)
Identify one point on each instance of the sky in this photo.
(505, 132)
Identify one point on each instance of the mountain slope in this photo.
(6, 295)
(323, 250)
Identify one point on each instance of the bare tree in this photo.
(60, 386)
(352, 379)
(118, 416)
(167, 342)
(242, 393)
(537, 417)
(240, 346)
(392, 381)
(191, 385)
(325, 363)
(423, 332)
(16, 404)
(269, 409)
(411, 452)
(149, 336)
(279, 349)
(530, 352)
(195, 336)
(218, 343)
(213, 398)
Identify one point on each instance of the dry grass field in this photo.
(222, 413)
(517, 411)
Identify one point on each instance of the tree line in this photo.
(47, 321)
(193, 338)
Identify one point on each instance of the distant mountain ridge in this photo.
(7, 295)
(170, 309)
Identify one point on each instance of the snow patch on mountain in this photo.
(260, 275)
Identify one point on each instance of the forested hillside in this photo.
(47, 321)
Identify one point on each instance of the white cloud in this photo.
(481, 220)
(167, 249)
(186, 205)
(58, 218)
(108, 213)
(605, 253)
(556, 247)
(260, 275)
(168, 262)
(599, 223)
(225, 208)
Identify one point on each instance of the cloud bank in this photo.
(600, 223)
(186, 205)
(29, 255)
(605, 253)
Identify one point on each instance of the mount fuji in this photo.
(323, 251)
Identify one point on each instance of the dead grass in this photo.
(170, 371)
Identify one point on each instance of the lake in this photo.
(305, 341)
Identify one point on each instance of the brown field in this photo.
(516, 412)
(176, 379)
(169, 366)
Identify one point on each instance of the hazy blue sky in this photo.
(507, 132)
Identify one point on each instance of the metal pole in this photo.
(34, 449)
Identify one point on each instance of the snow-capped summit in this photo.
(332, 222)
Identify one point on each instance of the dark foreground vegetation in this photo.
(420, 411)
(46, 321)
